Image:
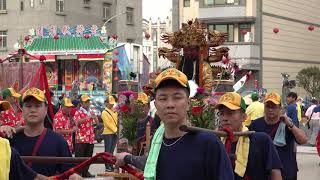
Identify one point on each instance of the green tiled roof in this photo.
(67, 43)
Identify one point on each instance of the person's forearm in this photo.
(136, 161)
(300, 135)
(276, 174)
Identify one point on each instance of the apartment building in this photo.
(267, 37)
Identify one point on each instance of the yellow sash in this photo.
(5, 156)
(242, 153)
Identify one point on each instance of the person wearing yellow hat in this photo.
(282, 131)
(35, 139)
(63, 123)
(110, 127)
(257, 158)
(255, 110)
(84, 119)
(175, 154)
(10, 117)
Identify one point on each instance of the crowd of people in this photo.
(269, 153)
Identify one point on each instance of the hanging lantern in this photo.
(311, 28)
(146, 35)
(116, 78)
(27, 38)
(116, 52)
(243, 31)
(115, 36)
(276, 30)
(116, 60)
(87, 36)
(42, 58)
(116, 69)
(56, 37)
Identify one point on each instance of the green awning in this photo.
(67, 44)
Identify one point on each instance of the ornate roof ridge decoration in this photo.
(192, 34)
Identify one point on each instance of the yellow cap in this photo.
(10, 92)
(172, 73)
(232, 101)
(85, 98)
(142, 97)
(66, 102)
(111, 100)
(5, 105)
(36, 93)
(273, 97)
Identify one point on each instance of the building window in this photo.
(86, 2)
(3, 39)
(155, 37)
(224, 28)
(243, 31)
(186, 3)
(3, 5)
(221, 2)
(60, 5)
(106, 11)
(129, 15)
(130, 41)
(21, 6)
(208, 2)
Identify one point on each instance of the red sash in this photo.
(38, 144)
(273, 131)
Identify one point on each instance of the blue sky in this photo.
(156, 8)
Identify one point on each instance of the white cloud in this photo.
(156, 8)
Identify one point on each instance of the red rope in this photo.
(107, 157)
(229, 139)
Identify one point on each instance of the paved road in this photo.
(308, 162)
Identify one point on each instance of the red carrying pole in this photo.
(44, 82)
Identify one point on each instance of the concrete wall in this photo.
(294, 47)
(17, 22)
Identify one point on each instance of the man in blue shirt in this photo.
(53, 144)
(280, 129)
(292, 111)
(256, 157)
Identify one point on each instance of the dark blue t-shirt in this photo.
(195, 156)
(263, 157)
(18, 169)
(53, 145)
(286, 153)
(292, 113)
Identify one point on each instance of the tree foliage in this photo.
(309, 79)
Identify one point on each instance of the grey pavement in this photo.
(307, 157)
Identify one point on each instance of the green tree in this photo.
(309, 79)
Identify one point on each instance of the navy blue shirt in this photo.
(195, 156)
(292, 113)
(18, 169)
(263, 157)
(286, 153)
(53, 145)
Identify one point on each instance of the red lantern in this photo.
(87, 36)
(27, 38)
(56, 37)
(116, 78)
(114, 36)
(116, 69)
(116, 52)
(311, 28)
(276, 30)
(243, 31)
(147, 35)
(116, 60)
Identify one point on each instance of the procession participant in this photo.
(35, 139)
(84, 120)
(10, 116)
(283, 132)
(313, 122)
(175, 154)
(110, 128)
(63, 123)
(255, 110)
(256, 157)
(292, 109)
